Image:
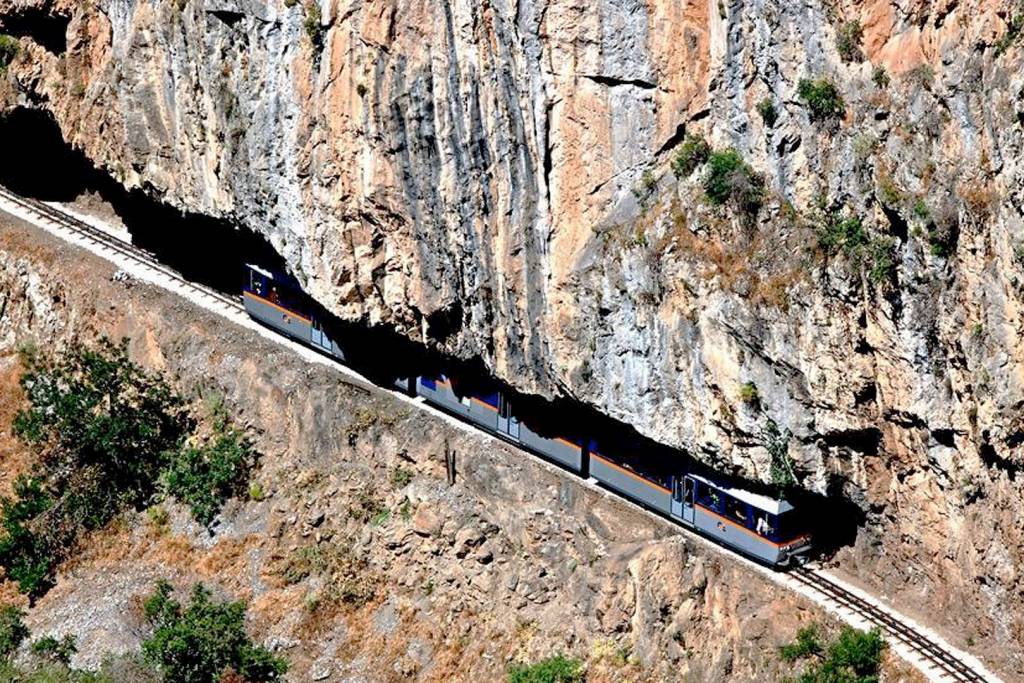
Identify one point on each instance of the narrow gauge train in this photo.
(766, 529)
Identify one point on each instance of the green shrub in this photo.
(766, 108)
(400, 477)
(648, 184)
(880, 260)
(846, 235)
(823, 100)
(853, 656)
(848, 41)
(204, 641)
(106, 432)
(205, 475)
(12, 629)
(256, 492)
(557, 669)
(749, 393)
(27, 556)
(921, 210)
(807, 644)
(8, 51)
(776, 442)
(730, 179)
(692, 153)
(880, 77)
(56, 650)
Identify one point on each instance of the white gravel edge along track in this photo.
(920, 650)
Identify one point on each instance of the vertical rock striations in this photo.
(493, 177)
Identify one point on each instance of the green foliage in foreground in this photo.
(557, 669)
(105, 432)
(204, 641)
(12, 629)
(853, 656)
(204, 476)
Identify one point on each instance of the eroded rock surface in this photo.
(472, 173)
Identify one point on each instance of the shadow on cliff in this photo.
(208, 250)
(214, 252)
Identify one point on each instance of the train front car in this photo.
(277, 301)
(767, 529)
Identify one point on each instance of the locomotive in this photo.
(764, 528)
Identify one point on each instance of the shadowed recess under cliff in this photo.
(214, 253)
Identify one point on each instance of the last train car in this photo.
(277, 301)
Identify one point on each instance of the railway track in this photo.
(105, 240)
(943, 665)
(936, 659)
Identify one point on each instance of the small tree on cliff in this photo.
(776, 442)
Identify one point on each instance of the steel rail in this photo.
(921, 644)
(97, 236)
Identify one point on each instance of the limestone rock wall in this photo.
(492, 177)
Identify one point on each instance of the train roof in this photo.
(262, 271)
(761, 502)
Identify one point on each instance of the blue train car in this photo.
(631, 482)
(764, 528)
(492, 411)
(276, 301)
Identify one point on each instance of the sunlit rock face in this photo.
(493, 178)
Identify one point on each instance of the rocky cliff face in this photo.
(493, 177)
(360, 562)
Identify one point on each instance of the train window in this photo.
(428, 383)
(764, 524)
(736, 510)
(710, 498)
(688, 492)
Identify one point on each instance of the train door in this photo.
(318, 337)
(682, 498)
(507, 422)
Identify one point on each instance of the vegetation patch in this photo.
(853, 656)
(822, 98)
(880, 77)
(204, 641)
(730, 179)
(314, 29)
(8, 51)
(206, 474)
(849, 37)
(106, 432)
(692, 153)
(766, 108)
(556, 669)
(847, 235)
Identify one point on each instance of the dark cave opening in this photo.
(48, 29)
(214, 251)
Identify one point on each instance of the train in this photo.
(767, 529)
